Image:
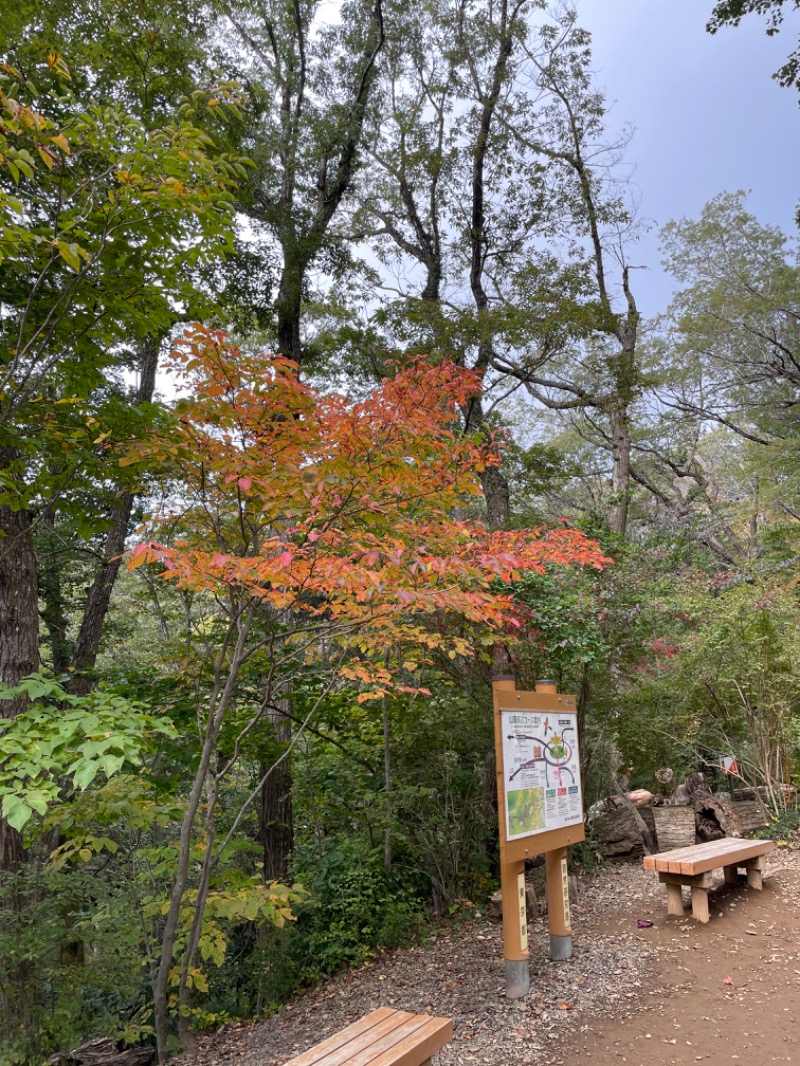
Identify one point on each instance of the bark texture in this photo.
(276, 827)
(19, 626)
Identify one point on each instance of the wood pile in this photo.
(629, 825)
(104, 1051)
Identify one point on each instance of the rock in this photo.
(640, 797)
(496, 905)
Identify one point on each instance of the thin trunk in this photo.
(625, 373)
(219, 703)
(98, 601)
(276, 828)
(387, 788)
(19, 626)
(53, 612)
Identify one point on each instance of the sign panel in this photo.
(541, 770)
(728, 765)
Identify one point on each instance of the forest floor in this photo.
(654, 996)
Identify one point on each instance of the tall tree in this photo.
(76, 187)
(311, 84)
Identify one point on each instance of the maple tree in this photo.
(320, 531)
(334, 514)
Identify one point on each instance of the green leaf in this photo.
(16, 812)
(85, 773)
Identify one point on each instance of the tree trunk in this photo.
(53, 610)
(387, 788)
(19, 626)
(276, 827)
(620, 470)
(289, 307)
(98, 601)
(497, 496)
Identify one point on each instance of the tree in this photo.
(491, 187)
(310, 87)
(101, 224)
(322, 532)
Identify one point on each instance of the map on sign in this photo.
(541, 770)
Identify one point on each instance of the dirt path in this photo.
(653, 997)
(694, 1015)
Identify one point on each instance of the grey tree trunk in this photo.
(620, 469)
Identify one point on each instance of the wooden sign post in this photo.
(540, 812)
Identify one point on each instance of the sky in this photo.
(708, 115)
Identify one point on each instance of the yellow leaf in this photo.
(62, 142)
(47, 157)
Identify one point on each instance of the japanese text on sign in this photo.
(541, 769)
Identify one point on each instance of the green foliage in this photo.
(65, 741)
(783, 828)
(75, 935)
(354, 909)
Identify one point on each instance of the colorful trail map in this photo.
(541, 770)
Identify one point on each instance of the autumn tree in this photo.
(318, 532)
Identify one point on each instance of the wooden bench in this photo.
(692, 866)
(385, 1037)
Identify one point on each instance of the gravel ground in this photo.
(459, 973)
(618, 974)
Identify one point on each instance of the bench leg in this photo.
(731, 875)
(674, 900)
(700, 904)
(755, 872)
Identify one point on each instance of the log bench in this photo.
(693, 866)
(385, 1037)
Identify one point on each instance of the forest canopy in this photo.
(326, 395)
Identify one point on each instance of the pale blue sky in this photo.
(708, 115)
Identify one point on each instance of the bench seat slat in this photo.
(700, 858)
(386, 1037)
(431, 1037)
(703, 864)
(369, 1028)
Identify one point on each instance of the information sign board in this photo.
(541, 771)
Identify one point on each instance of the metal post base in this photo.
(518, 978)
(560, 948)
